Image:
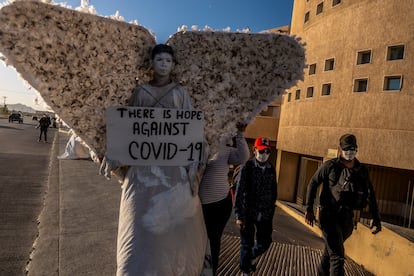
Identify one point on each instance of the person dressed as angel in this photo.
(161, 228)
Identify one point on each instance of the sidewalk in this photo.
(78, 229)
(78, 226)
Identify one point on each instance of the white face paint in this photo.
(262, 156)
(163, 64)
(348, 155)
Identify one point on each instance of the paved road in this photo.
(23, 175)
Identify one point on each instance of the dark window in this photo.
(312, 69)
(329, 64)
(297, 94)
(307, 17)
(392, 83)
(319, 8)
(326, 89)
(309, 92)
(289, 97)
(361, 85)
(395, 52)
(364, 57)
(336, 2)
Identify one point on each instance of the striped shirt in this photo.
(214, 185)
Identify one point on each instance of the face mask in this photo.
(349, 155)
(262, 157)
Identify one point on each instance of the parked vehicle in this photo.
(16, 117)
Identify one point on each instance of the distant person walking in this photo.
(255, 203)
(44, 124)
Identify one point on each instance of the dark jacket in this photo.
(328, 174)
(44, 122)
(256, 191)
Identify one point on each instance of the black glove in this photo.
(376, 222)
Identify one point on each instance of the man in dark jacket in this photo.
(346, 187)
(255, 201)
(44, 124)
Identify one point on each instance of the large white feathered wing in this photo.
(80, 63)
(233, 76)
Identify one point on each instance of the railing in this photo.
(395, 196)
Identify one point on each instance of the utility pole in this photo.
(4, 106)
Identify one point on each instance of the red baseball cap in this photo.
(262, 143)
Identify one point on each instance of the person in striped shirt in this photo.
(214, 190)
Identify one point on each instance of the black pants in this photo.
(43, 130)
(216, 215)
(336, 228)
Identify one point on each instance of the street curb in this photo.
(44, 258)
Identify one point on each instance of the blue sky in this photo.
(163, 18)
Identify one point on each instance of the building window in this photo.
(361, 85)
(326, 89)
(307, 17)
(395, 52)
(392, 83)
(312, 69)
(297, 94)
(289, 97)
(309, 92)
(319, 8)
(364, 57)
(336, 2)
(329, 64)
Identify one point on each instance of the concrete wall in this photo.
(263, 126)
(383, 254)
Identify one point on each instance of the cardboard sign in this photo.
(154, 136)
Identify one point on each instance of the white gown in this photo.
(161, 227)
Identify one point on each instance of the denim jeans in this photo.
(249, 249)
(336, 228)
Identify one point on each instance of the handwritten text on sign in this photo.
(154, 136)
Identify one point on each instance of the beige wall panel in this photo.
(263, 127)
(287, 167)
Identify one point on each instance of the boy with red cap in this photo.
(255, 201)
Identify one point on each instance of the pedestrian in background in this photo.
(44, 124)
(346, 187)
(215, 193)
(255, 201)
